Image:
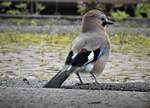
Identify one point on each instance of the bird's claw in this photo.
(78, 84)
(96, 82)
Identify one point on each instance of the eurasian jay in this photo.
(89, 51)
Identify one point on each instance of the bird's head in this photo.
(99, 16)
(95, 17)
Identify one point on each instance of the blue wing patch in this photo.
(102, 52)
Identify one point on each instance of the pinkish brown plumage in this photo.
(89, 51)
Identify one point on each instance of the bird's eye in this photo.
(102, 18)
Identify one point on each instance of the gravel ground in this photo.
(42, 62)
(136, 86)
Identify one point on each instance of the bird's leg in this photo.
(77, 73)
(94, 78)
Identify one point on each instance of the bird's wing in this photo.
(85, 57)
(86, 50)
(79, 59)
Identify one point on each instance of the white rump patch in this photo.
(89, 67)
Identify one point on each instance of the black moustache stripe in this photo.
(104, 23)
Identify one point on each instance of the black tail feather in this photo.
(58, 79)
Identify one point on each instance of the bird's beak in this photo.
(108, 22)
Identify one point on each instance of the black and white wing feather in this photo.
(84, 57)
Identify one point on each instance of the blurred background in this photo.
(35, 36)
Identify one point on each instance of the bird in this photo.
(89, 51)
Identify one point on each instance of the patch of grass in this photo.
(119, 15)
(125, 43)
(125, 38)
(14, 37)
(121, 42)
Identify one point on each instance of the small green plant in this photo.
(23, 8)
(39, 8)
(82, 9)
(5, 5)
(143, 10)
(119, 15)
(13, 12)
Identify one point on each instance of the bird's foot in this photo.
(78, 84)
(26, 80)
(96, 82)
